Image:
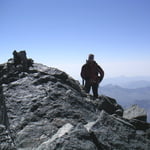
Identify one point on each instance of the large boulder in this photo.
(69, 137)
(135, 112)
(109, 105)
(111, 132)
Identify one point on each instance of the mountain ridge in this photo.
(128, 82)
(48, 110)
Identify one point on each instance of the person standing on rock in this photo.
(93, 74)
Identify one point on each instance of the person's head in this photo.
(91, 57)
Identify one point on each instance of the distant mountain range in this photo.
(124, 96)
(128, 82)
(128, 91)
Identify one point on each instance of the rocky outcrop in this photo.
(137, 116)
(6, 141)
(48, 110)
(135, 112)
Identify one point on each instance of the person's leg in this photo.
(95, 90)
(87, 87)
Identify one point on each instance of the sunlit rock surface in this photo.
(135, 112)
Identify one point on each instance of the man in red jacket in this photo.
(93, 74)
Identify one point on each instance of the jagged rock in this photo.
(20, 60)
(6, 142)
(77, 138)
(135, 112)
(140, 125)
(109, 105)
(44, 101)
(115, 133)
(11, 70)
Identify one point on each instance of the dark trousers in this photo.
(94, 86)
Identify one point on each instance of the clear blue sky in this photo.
(61, 34)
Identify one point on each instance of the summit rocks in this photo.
(44, 108)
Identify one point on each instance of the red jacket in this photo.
(92, 72)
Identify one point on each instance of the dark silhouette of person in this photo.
(17, 59)
(20, 58)
(93, 74)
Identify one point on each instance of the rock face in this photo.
(47, 110)
(135, 112)
(6, 142)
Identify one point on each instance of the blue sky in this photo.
(61, 34)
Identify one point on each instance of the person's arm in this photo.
(101, 71)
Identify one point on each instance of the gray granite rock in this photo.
(135, 112)
(116, 133)
(48, 110)
(6, 141)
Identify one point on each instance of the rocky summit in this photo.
(43, 108)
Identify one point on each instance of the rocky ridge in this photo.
(43, 108)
